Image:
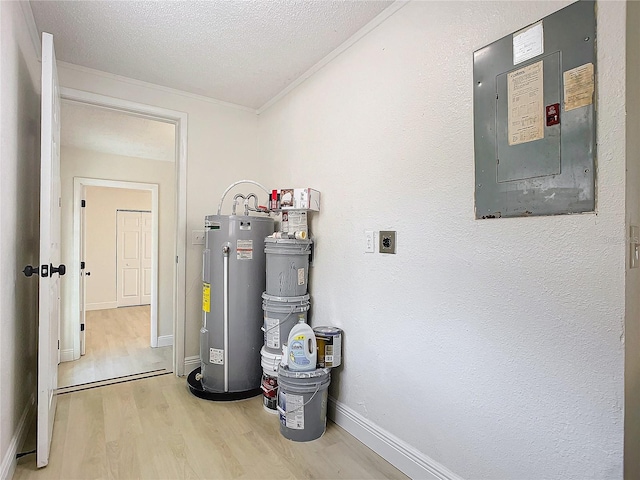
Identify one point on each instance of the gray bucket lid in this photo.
(318, 373)
(302, 299)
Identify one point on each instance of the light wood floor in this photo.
(117, 344)
(154, 428)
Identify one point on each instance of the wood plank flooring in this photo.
(117, 344)
(154, 428)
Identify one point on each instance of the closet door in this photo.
(129, 258)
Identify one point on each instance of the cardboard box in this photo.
(300, 199)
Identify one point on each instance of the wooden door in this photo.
(129, 258)
(50, 269)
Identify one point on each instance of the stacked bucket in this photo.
(285, 302)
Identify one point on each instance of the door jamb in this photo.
(179, 119)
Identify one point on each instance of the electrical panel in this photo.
(535, 118)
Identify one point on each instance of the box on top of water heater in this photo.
(300, 199)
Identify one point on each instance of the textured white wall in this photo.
(75, 162)
(632, 324)
(101, 241)
(493, 347)
(221, 149)
(19, 214)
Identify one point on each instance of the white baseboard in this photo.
(191, 363)
(400, 454)
(101, 306)
(66, 355)
(165, 340)
(17, 440)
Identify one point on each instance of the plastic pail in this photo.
(287, 266)
(302, 403)
(280, 315)
(270, 362)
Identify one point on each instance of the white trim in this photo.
(33, 29)
(381, 17)
(165, 341)
(79, 183)
(100, 305)
(66, 355)
(153, 86)
(400, 454)
(180, 119)
(190, 363)
(17, 440)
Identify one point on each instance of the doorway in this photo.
(171, 330)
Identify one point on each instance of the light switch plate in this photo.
(197, 237)
(370, 241)
(387, 241)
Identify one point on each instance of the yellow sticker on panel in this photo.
(206, 297)
(578, 87)
(525, 104)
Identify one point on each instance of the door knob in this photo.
(61, 270)
(29, 270)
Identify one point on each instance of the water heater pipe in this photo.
(236, 184)
(225, 314)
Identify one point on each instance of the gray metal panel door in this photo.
(536, 178)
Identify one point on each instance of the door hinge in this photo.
(82, 327)
(81, 265)
(60, 201)
(83, 203)
(58, 344)
(176, 259)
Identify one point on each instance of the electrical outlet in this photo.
(370, 241)
(197, 237)
(387, 241)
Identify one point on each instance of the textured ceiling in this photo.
(242, 52)
(108, 131)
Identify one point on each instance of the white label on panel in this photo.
(578, 86)
(528, 43)
(216, 356)
(525, 104)
(301, 276)
(244, 249)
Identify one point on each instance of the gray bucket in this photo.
(280, 315)
(302, 403)
(287, 266)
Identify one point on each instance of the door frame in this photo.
(79, 184)
(179, 119)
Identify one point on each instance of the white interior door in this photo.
(147, 255)
(50, 268)
(129, 258)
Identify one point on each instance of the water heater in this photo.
(233, 283)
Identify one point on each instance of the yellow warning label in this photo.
(206, 297)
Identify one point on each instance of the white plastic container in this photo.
(302, 348)
(270, 363)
